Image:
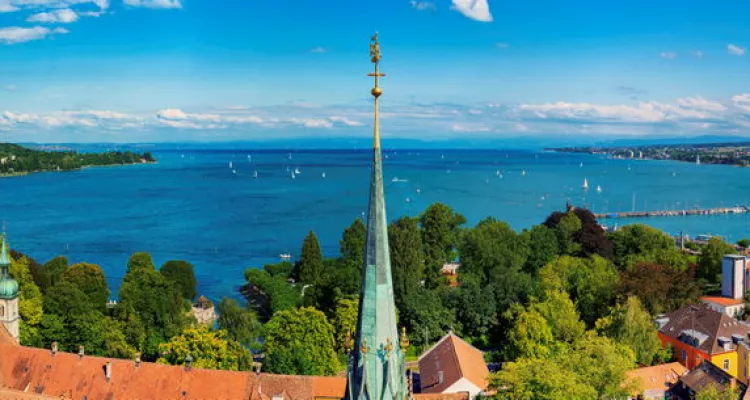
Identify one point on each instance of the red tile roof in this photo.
(723, 301)
(659, 377)
(708, 322)
(456, 359)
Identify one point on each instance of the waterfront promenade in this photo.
(675, 213)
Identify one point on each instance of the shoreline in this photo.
(25, 173)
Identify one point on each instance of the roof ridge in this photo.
(455, 354)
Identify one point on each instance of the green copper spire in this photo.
(8, 286)
(377, 369)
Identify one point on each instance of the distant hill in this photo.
(17, 160)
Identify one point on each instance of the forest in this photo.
(566, 307)
(15, 159)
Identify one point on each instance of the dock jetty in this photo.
(675, 213)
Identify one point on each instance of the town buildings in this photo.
(453, 366)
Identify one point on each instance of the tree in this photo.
(352, 244)
(158, 304)
(661, 288)
(531, 336)
(310, 264)
(208, 349)
(345, 322)
(744, 243)
(631, 325)
(561, 315)
(440, 226)
(540, 379)
(240, 324)
(566, 227)
(543, 248)
(600, 363)
(476, 309)
(425, 316)
(90, 279)
(140, 260)
(591, 236)
(490, 249)
(303, 335)
(182, 275)
(407, 260)
(709, 262)
(711, 392)
(283, 269)
(638, 242)
(29, 295)
(54, 269)
(267, 294)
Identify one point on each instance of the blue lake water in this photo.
(192, 206)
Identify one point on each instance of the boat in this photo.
(230, 164)
(419, 190)
(698, 160)
(585, 184)
(297, 171)
(290, 156)
(293, 175)
(249, 157)
(255, 174)
(581, 166)
(234, 171)
(285, 256)
(598, 189)
(498, 174)
(523, 173)
(323, 175)
(395, 179)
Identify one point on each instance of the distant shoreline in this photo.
(19, 174)
(732, 154)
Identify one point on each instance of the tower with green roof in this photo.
(377, 368)
(8, 292)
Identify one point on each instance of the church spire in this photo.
(377, 368)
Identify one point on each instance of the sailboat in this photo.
(323, 175)
(598, 189)
(698, 160)
(293, 175)
(585, 184)
(230, 164)
(290, 156)
(297, 171)
(255, 174)
(523, 173)
(581, 165)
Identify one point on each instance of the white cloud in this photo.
(502, 45)
(317, 123)
(478, 10)
(699, 103)
(345, 121)
(422, 5)
(6, 6)
(735, 50)
(669, 55)
(63, 16)
(153, 3)
(742, 101)
(318, 50)
(15, 34)
(697, 53)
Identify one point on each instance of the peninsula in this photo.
(737, 153)
(19, 160)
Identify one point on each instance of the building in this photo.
(654, 382)
(699, 333)
(735, 281)
(701, 377)
(9, 316)
(453, 366)
(450, 272)
(204, 311)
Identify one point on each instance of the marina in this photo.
(675, 213)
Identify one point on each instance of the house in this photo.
(450, 272)
(701, 377)
(735, 281)
(654, 382)
(699, 333)
(729, 306)
(453, 366)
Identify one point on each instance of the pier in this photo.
(675, 213)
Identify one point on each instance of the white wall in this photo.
(464, 385)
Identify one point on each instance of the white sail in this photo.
(598, 189)
(585, 184)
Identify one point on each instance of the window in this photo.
(726, 364)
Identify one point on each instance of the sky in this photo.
(176, 70)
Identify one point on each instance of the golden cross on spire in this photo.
(376, 91)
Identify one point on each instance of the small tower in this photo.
(8, 292)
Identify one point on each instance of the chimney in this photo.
(80, 352)
(137, 360)
(108, 371)
(188, 362)
(54, 348)
(440, 377)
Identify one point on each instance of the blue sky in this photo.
(155, 70)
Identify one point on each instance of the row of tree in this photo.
(19, 159)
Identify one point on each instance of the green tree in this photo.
(407, 260)
(561, 315)
(304, 334)
(352, 244)
(425, 316)
(241, 324)
(140, 260)
(29, 295)
(490, 249)
(540, 379)
(476, 309)
(709, 262)
(440, 227)
(531, 336)
(566, 227)
(267, 294)
(638, 242)
(631, 325)
(310, 265)
(158, 304)
(543, 248)
(745, 243)
(54, 269)
(601, 363)
(345, 321)
(661, 288)
(208, 349)
(711, 392)
(284, 269)
(182, 275)
(90, 279)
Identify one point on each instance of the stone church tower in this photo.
(8, 292)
